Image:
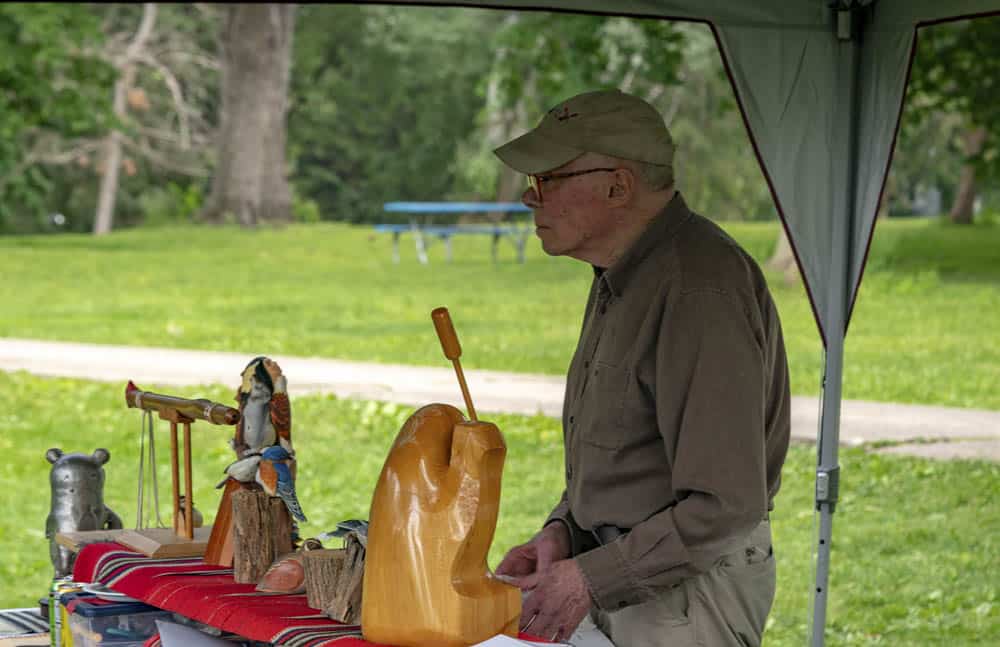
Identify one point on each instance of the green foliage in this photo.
(54, 85)
(170, 205)
(542, 58)
(955, 73)
(912, 538)
(547, 57)
(923, 328)
(380, 102)
(715, 163)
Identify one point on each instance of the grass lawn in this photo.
(916, 543)
(925, 327)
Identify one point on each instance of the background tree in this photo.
(51, 122)
(382, 99)
(541, 58)
(250, 182)
(956, 71)
(163, 96)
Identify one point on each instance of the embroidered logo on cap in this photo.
(564, 113)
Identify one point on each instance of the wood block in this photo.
(322, 570)
(346, 604)
(163, 542)
(77, 540)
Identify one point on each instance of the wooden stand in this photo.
(262, 532)
(219, 551)
(180, 540)
(175, 418)
(164, 542)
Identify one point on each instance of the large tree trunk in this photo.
(104, 218)
(965, 198)
(783, 259)
(250, 182)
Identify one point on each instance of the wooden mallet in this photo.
(452, 350)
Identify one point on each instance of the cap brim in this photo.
(532, 153)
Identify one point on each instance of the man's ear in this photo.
(623, 185)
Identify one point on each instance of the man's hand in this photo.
(525, 564)
(558, 603)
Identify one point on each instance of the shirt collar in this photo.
(660, 229)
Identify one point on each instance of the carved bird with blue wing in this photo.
(276, 474)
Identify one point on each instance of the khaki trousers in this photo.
(727, 605)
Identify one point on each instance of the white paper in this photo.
(175, 635)
(502, 640)
(586, 635)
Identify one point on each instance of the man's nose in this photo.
(530, 199)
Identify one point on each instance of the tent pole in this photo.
(848, 26)
(827, 477)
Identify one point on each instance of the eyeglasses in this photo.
(536, 181)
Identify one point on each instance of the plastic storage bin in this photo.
(95, 622)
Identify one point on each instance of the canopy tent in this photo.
(820, 85)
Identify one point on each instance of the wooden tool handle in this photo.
(452, 350)
(446, 333)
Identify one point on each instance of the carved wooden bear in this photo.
(77, 482)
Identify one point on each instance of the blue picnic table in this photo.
(423, 230)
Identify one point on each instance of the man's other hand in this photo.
(524, 565)
(558, 603)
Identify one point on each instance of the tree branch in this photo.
(162, 160)
(184, 126)
(142, 34)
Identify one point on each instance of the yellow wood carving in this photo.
(432, 521)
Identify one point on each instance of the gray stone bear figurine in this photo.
(77, 482)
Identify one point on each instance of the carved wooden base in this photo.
(262, 531)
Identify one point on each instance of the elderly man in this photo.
(676, 416)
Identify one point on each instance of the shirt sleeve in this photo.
(710, 399)
(579, 539)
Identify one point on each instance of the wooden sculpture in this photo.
(432, 521)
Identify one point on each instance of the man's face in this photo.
(573, 218)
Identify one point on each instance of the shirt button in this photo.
(571, 419)
(569, 473)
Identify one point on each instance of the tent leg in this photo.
(827, 479)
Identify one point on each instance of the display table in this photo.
(208, 594)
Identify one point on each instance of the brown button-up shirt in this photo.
(676, 416)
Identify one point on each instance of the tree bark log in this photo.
(250, 184)
(346, 603)
(322, 572)
(261, 533)
(962, 209)
(783, 259)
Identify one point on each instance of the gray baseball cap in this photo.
(609, 122)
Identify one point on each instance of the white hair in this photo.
(656, 177)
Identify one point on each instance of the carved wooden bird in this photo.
(276, 475)
(265, 412)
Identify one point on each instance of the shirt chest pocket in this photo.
(604, 406)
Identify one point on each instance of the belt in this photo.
(606, 533)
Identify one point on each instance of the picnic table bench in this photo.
(424, 230)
